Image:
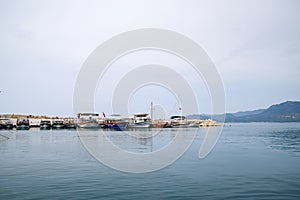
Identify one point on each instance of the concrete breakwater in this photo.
(103, 122)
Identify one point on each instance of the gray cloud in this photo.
(43, 44)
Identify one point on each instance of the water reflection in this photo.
(132, 141)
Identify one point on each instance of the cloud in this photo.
(253, 43)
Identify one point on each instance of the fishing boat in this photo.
(70, 124)
(179, 121)
(87, 120)
(22, 124)
(116, 122)
(140, 121)
(58, 124)
(6, 124)
(117, 125)
(45, 124)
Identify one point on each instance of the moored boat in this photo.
(87, 120)
(45, 124)
(140, 121)
(115, 122)
(70, 124)
(179, 121)
(117, 125)
(22, 124)
(58, 124)
(6, 124)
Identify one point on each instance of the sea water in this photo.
(250, 161)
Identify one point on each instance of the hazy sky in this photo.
(254, 44)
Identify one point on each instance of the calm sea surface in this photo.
(250, 161)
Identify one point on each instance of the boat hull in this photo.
(140, 125)
(45, 126)
(194, 125)
(70, 126)
(118, 126)
(179, 125)
(88, 125)
(58, 126)
(8, 126)
(22, 127)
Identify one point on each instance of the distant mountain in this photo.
(288, 111)
(245, 113)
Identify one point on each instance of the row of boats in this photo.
(24, 124)
(116, 122)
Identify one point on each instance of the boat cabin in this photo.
(88, 116)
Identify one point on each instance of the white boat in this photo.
(88, 120)
(179, 121)
(194, 123)
(140, 121)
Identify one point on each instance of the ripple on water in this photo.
(54, 165)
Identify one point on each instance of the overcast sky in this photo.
(254, 44)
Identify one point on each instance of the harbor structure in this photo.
(93, 120)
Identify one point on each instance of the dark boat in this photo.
(22, 124)
(70, 124)
(103, 125)
(6, 124)
(58, 124)
(117, 126)
(45, 124)
(116, 123)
